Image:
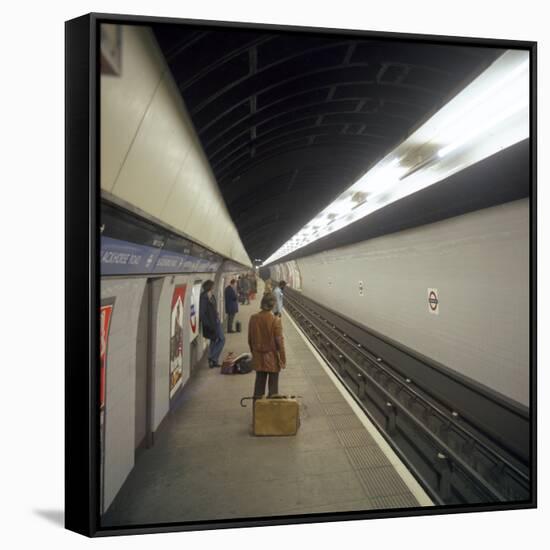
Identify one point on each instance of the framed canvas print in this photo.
(300, 274)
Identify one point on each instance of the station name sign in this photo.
(125, 258)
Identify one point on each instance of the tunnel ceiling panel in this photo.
(290, 120)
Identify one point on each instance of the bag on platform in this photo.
(275, 416)
(244, 364)
(228, 364)
(236, 364)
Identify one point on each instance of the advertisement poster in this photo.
(105, 313)
(176, 338)
(194, 313)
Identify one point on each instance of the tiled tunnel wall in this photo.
(479, 264)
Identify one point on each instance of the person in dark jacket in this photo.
(210, 322)
(231, 303)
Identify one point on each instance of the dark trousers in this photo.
(273, 383)
(230, 317)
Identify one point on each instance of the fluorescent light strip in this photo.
(507, 114)
(495, 105)
(491, 91)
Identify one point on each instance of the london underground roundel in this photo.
(433, 301)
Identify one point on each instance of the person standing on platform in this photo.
(268, 289)
(265, 338)
(246, 289)
(240, 289)
(254, 287)
(278, 293)
(231, 303)
(211, 325)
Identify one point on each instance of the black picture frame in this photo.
(82, 298)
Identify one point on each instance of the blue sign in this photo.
(169, 262)
(172, 262)
(121, 257)
(202, 266)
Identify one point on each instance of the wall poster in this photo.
(176, 338)
(105, 314)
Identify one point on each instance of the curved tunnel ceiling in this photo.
(290, 120)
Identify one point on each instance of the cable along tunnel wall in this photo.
(456, 458)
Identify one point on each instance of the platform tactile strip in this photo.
(366, 457)
(406, 500)
(334, 409)
(331, 397)
(383, 481)
(353, 438)
(347, 422)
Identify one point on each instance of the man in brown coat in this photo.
(265, 338)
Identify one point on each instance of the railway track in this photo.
(454, 460)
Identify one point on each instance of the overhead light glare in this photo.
(488, 115)
(478, 131)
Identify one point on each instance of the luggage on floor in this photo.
(238, 326)
(237, 364)
(228, 364)
(276, 415)
(244, 364)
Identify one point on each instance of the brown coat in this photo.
(265, 338)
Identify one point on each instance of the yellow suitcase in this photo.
(274, 416)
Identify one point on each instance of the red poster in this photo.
(176, 338)
(105, 313)
(105, 321)
(194, 310)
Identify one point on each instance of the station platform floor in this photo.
(206, 464)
